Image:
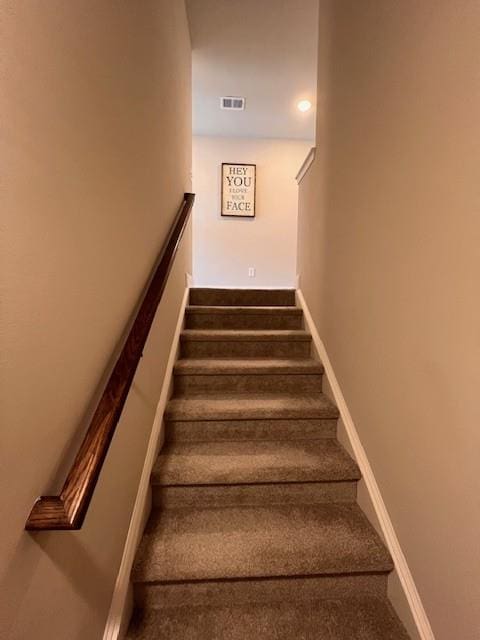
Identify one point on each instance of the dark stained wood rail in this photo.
(67, 510)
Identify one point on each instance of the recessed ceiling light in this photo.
(304, 105)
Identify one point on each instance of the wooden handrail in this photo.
(67, 510)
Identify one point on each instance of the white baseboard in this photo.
(120, 606)
(405, 577)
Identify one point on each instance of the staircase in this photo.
(255, 532)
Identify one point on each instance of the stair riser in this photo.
(242, 297)
(274, 321)
(294, 589)
(256, 495)
(249, 383)
(245, 349)
(239, 430)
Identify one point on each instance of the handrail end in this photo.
(50, 513)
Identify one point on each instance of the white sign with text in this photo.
(238, 190)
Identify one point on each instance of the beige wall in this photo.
(95, 147)
(389, 256)
(224, 248)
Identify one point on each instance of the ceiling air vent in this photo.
(232, 103)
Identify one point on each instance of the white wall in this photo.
(224, 248)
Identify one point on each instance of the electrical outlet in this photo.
(251, 272)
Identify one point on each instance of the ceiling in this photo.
(262, 50)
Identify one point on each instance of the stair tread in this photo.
(242, 297)
(252, 542)
(250, 406)
(367, 618)
(210, 366)
(245, 335)
(264, 310)
(251, 462)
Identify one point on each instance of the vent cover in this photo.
(232, 103)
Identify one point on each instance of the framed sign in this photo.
(238, 190)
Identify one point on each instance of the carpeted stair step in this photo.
(247, 376)
(256, 472)
(243, 297)
(224, 463)
(364, 618)
(202, 543)
(197, 317)
(254, 429)
(250, 407)
(293, 589)
(205, 343)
